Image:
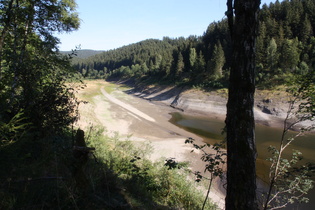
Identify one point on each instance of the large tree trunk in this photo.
(240, 124)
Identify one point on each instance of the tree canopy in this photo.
(32, 72)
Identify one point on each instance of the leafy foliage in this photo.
(292, 181)
(32, 72)
(214, 159)
(146, 184)
(289, 179)
(13, 129)
(37, 104)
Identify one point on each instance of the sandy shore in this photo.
(143, 115)
(269, 109)
(140, 120)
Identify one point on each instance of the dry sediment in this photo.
(270, 108)
(148, 120)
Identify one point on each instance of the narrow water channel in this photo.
(211, 131)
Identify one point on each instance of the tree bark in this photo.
(240, 124)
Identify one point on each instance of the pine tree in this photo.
(272, 55)
(217, 61)
(306, 30)
(289, 55)
(180, 65)
(260, 45)
(192, 57)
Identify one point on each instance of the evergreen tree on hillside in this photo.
(272, 55)
(180, 65)
(289, 55)
(306, 30)
(217, 62)
(199, 68)
(192, 58)
(261, 45)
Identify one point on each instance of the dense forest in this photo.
(285, 46)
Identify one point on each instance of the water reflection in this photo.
(211, 131)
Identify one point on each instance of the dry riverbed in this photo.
(139, 120)
(143, 116)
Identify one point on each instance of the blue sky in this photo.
(109, 24)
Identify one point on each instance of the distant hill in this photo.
(285, 48)
(84, 53)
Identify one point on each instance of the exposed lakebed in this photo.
(210, 129)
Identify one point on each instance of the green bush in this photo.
(145, 184)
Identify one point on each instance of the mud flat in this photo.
(139, 120)
(144, 114)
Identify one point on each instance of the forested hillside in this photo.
(285, 46)
(82, 53)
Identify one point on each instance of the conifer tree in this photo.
(289, 55)
(180, 65)
(272, 56)
(217, 61)
(192, 57)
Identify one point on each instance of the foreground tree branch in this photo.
(289, 182)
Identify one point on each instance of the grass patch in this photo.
(223, 92)
(110, 87)
(144, 184)
(38, 174)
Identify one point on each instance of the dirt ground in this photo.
(139, 120)
(144, 114)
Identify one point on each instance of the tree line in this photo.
(285, 47)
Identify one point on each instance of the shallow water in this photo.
(211, 131)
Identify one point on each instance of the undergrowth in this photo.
(38, 174)
(145, 185)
